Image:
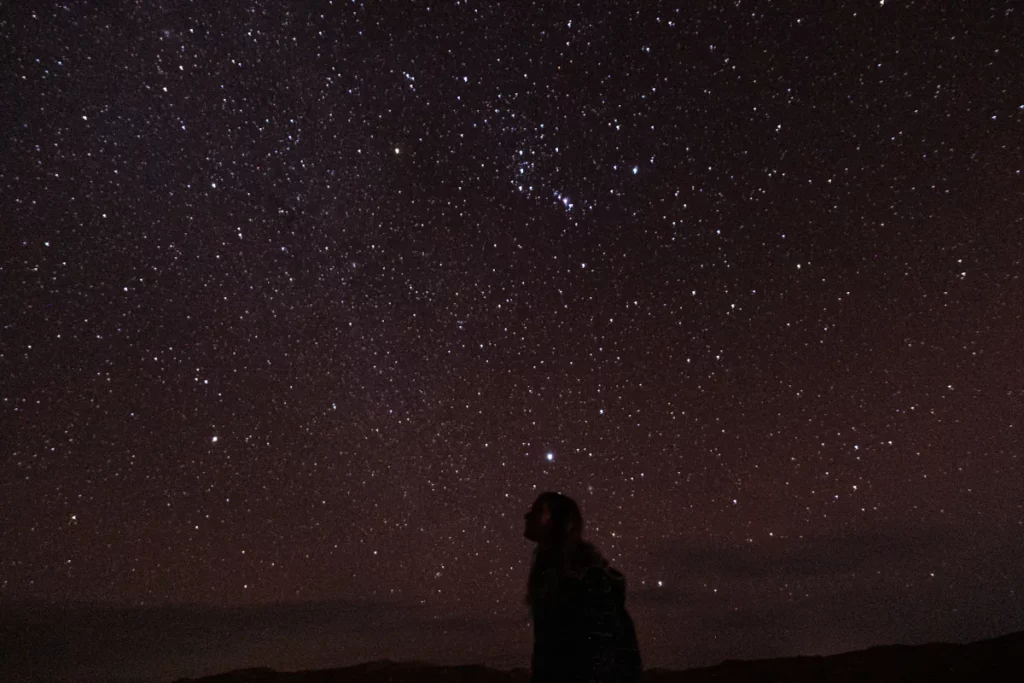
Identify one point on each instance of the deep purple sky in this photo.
(302, 307)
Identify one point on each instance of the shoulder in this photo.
(604, 584)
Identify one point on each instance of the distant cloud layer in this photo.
(88, 642)
(827, 594)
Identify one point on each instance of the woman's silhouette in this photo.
(582, 632)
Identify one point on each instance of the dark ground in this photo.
(997, 659)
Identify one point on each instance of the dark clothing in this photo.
(582, 631)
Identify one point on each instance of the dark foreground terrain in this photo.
(998, 659)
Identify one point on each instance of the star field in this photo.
(305, 303)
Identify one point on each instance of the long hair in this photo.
(565, 552)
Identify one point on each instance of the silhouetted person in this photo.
(581, 630)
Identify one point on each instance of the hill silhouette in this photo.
(997, 659)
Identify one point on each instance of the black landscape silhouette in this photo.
(995, 659)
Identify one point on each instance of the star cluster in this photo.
(306, 302)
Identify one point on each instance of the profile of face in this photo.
(538, 522)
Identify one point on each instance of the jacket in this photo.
(582, 632)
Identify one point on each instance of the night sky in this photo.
(302, 304)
